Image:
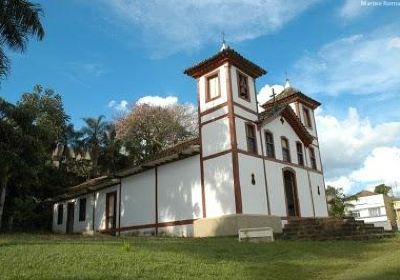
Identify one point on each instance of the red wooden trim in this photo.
(203, 194)
(245, 108)
(164, 224)
(278, 161)
(232, 130)
(215, 119)
(208, 77)
(156, 197)
(119, 204)
(217, 155)
(213, 109)
(244, 118)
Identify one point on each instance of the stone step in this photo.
(290, 227)
(334, 232)
(343, 237)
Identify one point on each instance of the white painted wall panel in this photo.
(179, 190)
(216, 137)
(219, 190)
(254, 199)
(215, 114)
(320, 204)
(138, 199)
(304, 193)
(275, 188)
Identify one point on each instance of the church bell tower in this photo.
(230, 142)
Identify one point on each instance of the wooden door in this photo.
(70, 217)
(111, 211)
(292, 202)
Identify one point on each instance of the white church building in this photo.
(246, 167)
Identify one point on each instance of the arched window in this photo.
(312, 158)
(269, 144)
(285, 149)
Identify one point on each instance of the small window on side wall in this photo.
(307, 117)
(213, 90)
(285, 149)
(313, 159)
(243, 86)
(82, 209)
(300, 157)
(251, 138)
(269, 143)
(60, 214)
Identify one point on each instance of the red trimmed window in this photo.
(213, 90)
(285, 149)
(313, 159)
(243, 85)
(251, 138)
(307, 118)
(300, 156)
(269, 144)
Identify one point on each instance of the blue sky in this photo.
(342, 53)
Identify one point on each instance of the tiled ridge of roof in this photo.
(285, 97)
(221, 57)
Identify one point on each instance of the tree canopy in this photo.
(19, 20)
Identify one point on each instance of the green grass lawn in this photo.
(28, 256)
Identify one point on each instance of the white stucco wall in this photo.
(320, 204)
(218, 184)
(138, 199)
(179, 190)
(78, 226)
(216, 137)
(254, 199)
(275, 188)
(212, 115)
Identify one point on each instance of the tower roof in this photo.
(289, 95)
(225, 55)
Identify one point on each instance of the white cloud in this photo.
(346, 142)
(356, 153)
(158, 100)
(89, 68)
(172, 25)
(121, 106)
(352, 9)
(358, 64)
(265, 94)
(381, 166)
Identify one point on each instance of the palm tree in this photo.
(93, 136)
(111, 157)
(19, 19)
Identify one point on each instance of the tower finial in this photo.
(273, 95)
(224, 45)
(287, 82)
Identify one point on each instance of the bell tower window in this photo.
(243, 86)
(213, 89)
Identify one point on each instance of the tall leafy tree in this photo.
(94, 133)
(148, 129)
(383, 189)
(19, 19)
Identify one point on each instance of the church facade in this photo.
(244, 162)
